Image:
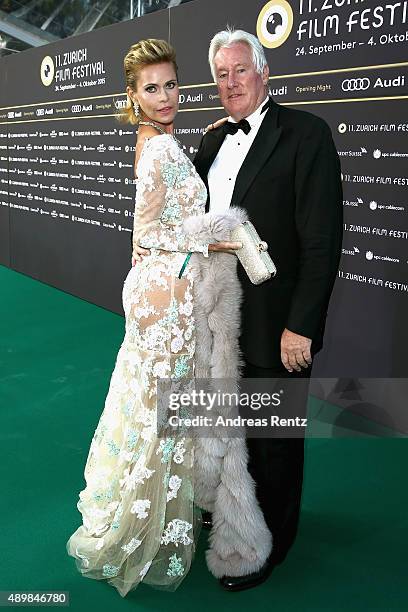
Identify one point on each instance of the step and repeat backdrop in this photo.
(66, 166)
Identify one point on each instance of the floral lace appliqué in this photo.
(131, 546)
(136, 476)
(175, 566)
(178, 455)
(174, 483)
(176, 532)
(139, 508)
(166, 447)
(110, 570)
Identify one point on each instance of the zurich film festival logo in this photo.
(47, 70)
(275, 22)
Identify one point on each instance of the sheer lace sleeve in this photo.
(166, 189)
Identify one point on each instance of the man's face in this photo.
(241, 88)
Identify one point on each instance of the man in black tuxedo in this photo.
(285, 171)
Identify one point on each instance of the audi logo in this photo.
(356, 84)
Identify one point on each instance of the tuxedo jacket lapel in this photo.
(265, 142)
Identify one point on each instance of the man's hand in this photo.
(138, 253)
(213, 126)
(295, 351)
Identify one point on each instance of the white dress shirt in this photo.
(225, 167)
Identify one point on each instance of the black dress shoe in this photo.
(240, 583)
(207, 519)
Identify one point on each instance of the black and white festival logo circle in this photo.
(47, 70)
(275, 22)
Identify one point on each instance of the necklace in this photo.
(153, 125)
(160, 130)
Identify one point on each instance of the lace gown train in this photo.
(139, 521)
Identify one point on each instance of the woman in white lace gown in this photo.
(139, 518)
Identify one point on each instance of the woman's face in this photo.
(158, 93)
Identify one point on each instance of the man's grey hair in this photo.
(228, 37)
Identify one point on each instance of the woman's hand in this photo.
(219, 247)
(225, 246)
(213, 126)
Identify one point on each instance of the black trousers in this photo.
(276, 464)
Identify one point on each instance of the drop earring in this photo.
(136, 108)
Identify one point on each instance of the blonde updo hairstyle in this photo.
(144, 53)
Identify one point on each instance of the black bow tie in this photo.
(232, 128)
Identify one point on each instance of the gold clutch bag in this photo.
(254, 255)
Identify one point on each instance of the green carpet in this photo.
(57, 353)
